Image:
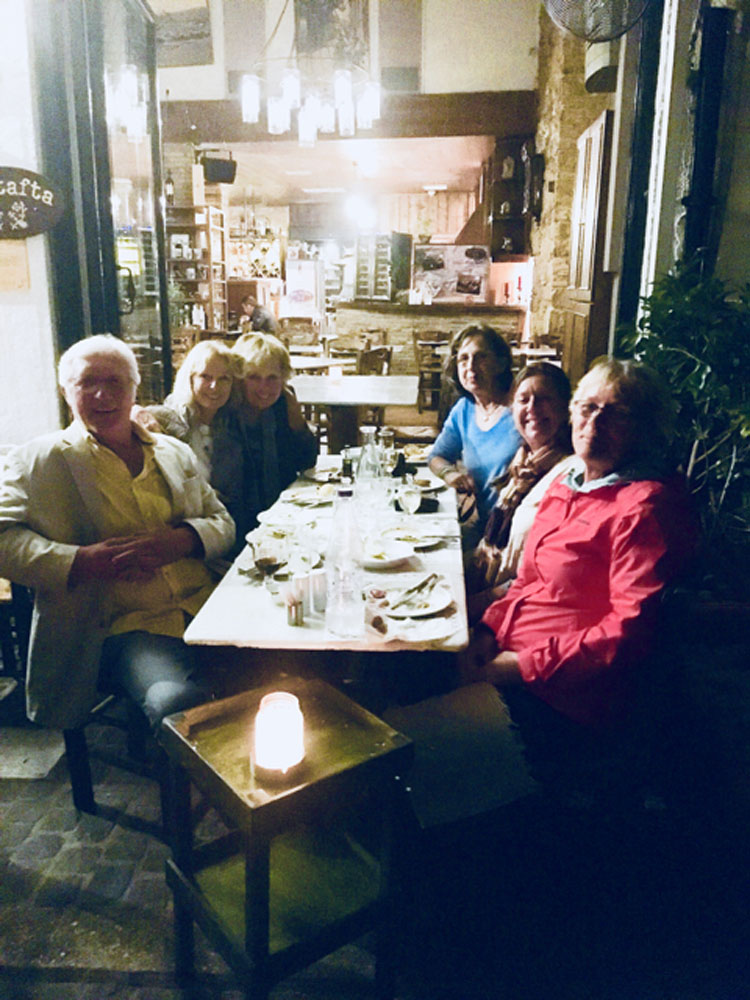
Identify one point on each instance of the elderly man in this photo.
(111, 527)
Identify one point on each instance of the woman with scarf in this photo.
(540, 413)
(267, 442)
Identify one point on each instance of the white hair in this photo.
(100, 344)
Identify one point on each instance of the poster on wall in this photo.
(451, 273)
(29, 204)
(336, 28)
(183, 32)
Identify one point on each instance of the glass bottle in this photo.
(345, 607)
(370, 484)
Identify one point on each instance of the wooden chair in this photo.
(375, 361)
(14, 626)
(317, 418)
(113, 710)
(429, 357)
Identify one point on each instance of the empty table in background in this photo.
(344, 395)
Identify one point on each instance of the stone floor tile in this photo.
(57, 892)
(124, 845)
(77, 858)
(94, 828)
(12, 834)
(149, 891)
(38, 847)
(108, 883)
(59, 818)
(155, 854)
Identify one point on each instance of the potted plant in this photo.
(695, 331)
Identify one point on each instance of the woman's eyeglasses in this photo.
(587, 409)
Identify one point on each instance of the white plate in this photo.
(386, 555)
(416, 453)
(438, 600)
(310, 496)
(420, 541)
(330, 475)
(285, 516)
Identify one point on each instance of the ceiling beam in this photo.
(501, 114)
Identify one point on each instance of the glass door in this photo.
(99, 132)
(131, 115)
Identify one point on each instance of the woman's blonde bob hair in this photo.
(256, 350)
(195, 361)
(642, 393)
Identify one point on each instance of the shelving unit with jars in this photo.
(197, 264)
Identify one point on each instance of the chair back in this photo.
(429, 354)
(376, 361)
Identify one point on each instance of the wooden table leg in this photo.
(179, 828)
(257, 875)
(386, 936)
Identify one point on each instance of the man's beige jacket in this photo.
(49, 505)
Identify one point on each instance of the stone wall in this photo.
(565, 110)
(399, 324)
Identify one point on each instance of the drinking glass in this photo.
(269, 555)
(410, 496)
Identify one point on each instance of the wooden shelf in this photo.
(204, 235)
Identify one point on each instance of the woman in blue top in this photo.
(479, 438)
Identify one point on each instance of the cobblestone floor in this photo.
(85, 913)
(84, 909)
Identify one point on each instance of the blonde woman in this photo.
(194, 411)
(268, 442)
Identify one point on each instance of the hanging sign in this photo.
(29, 204)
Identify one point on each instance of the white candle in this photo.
(279, 732)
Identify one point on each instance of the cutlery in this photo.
(424, 585)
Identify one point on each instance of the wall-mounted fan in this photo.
(596, 20)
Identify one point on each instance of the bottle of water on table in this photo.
(345, 606)
(370, 482)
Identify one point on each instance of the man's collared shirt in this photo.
(135, 505)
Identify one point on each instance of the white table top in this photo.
(357, 390)
(305, 363)
(242, 611)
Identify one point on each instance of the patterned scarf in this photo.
(523, 473)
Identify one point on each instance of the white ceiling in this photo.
(282, 173)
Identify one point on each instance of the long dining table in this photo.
(343, 395)
(248, 610)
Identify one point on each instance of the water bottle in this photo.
(345, 607)
(370, 484)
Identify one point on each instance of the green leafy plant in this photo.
(695, 331)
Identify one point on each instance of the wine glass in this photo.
(410, 496)
(269, 555)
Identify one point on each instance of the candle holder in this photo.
(279, 738)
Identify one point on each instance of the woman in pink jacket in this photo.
(574, 627)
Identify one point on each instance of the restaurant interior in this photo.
(375, 176)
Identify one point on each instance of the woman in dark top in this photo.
(267, 442)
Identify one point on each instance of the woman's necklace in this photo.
(487, 414)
